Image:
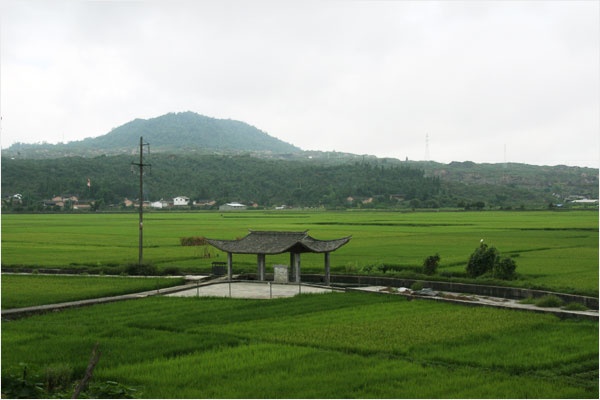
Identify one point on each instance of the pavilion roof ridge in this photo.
(277, 232)
(276, 242)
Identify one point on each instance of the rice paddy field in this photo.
(25, 291)
(553, 250)
(338, 345)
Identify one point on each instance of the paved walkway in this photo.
(220, 287)
(250, 290)
(476, 300)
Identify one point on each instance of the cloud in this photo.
(361, 77)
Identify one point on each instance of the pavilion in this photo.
(264, 243)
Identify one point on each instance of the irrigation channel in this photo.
(243, 286)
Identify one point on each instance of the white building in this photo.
(233, 206)
(181, 201)
(159, 204)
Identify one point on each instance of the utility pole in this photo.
(141, 165)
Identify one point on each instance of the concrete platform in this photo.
(250, 290)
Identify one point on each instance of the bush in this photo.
(110, 390)
(505, 269)
(575, 307)
(528, 300)
(21, 383)
(172, 271)
(193, 241)
(416, 286)
(549, 300)
(430, 264)
(486, 261)
(58, 377)
(140, 269)
(482, 260)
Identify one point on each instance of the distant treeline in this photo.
(310, 183)
(222, 178)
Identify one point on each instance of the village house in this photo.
(233, 206)
(82, 205)
(181, 201)
(204, 203)
(159, 204)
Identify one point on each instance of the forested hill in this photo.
(221, 178)
(173, 132)
(311, 182)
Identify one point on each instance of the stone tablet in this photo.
(280, 273)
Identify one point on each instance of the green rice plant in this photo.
(563, 258)
(26, 291)
(315, 346)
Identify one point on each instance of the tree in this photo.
(487, 260)
(482, 260)
(505, 269)
(430, 264)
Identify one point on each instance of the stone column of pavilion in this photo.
(263, 243)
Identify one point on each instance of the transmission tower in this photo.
(141, 166)
(427, 147)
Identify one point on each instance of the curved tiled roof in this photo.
(273, 242)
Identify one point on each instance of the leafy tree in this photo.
(482, 260)
(505, 268)
(430, 264)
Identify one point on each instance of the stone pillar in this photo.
(297, 259)
(261, 267)
(229, 265)
(292, 267)
(327, 274)
(281, 273)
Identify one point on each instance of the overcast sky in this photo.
(365, 77)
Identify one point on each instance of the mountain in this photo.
(173, 132)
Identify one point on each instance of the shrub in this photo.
(367, 268)
(485, 261)
(430, 264)
(110, 390)
(58, 377)
(416, 286)
(505, 269)
(482, 260)
(575, 307)
(193, 241)
(20, 383)
(549, 300)
(172, 271)
(140, 269)
(528, 300)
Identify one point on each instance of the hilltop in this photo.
(174, 132)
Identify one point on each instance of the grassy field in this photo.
(339, 345)
(25, 291)
(553, 250)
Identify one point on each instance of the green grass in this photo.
(555, 250)
(339, 345)
(25, 291)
